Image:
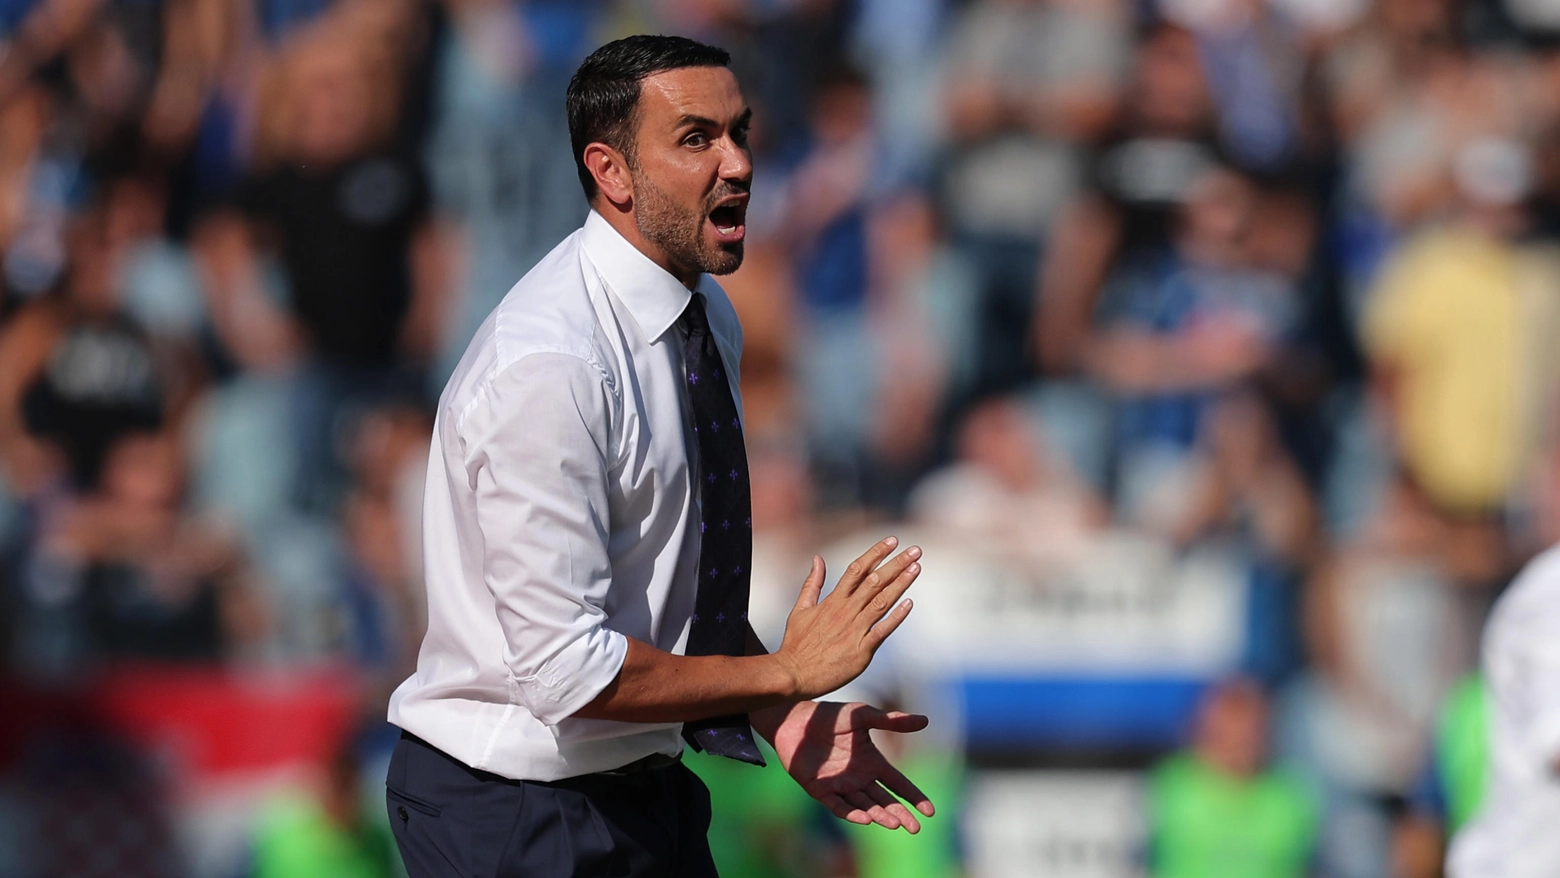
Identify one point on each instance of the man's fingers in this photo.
(840, 809)
(902, 787)
(889, 721)
(860, 567)
(883, 597)
(885, 626)
(906, 817)
(891, 575)
(812, 586)
(895, 808)
(878, 813)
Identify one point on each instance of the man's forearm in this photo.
(655, 686)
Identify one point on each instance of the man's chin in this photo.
(726, 259)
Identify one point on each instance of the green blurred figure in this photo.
(1219, 809)
(934, 852)
(1462, 751)
(333, 836)
(763, 825)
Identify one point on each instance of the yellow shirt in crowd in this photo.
(1466, 323)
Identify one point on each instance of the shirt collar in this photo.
(652, 295)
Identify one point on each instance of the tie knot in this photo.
(693, 317)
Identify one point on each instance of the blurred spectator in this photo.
(1028, 83)
(496, 161)
(1248, 495)
(339, 834)
(1164, 140)
(1250, 485)
(333, 198)
(1180, 327)
(1006, 493)
(923, 329)
(1219, 809)
(79, 372)
(122, 572)
(1386, 638)
(109, 348)
(33, 214)
(1254, 72)
(1459, 329)
(825, 226)
(898, 43)
(383, 594)
(346, 215)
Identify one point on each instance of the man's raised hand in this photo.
(829, 642)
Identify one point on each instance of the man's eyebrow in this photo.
(689, 119)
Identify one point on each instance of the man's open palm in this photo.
(827, 747)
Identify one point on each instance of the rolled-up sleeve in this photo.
(538, 450)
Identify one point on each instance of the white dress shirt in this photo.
(1516, 832)
(559, 517)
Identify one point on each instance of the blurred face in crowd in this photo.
(332, 104)
(105, 72)
(90, 286)
(997, 437)
(135, 210)
(1232, 729)
(1170, 93)
(689, 171)
(1217, 216)
(1418, 22)
(842, 112)
(144, 471)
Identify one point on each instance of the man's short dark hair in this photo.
(603, 97)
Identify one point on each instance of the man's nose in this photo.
(736, 163)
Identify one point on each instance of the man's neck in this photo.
(624, 223)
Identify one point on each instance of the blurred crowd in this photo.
(1275, 279)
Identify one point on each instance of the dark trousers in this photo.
(452, 820)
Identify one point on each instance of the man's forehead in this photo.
(709, 92)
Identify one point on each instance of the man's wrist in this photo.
(767, 722)
(783, 681)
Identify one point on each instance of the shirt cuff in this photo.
(577, 674)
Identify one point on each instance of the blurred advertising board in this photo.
(1104, 643)
(1054, 824)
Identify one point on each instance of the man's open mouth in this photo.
(730, 219)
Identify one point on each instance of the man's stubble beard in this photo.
(678, 231)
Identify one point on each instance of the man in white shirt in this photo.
(587, 532)
(1516, 831)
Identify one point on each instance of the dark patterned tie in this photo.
(725, 526)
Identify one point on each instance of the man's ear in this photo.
(610, 169)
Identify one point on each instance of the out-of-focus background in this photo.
(1208, 347)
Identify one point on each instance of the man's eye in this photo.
(740, 135)
(695, 139)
